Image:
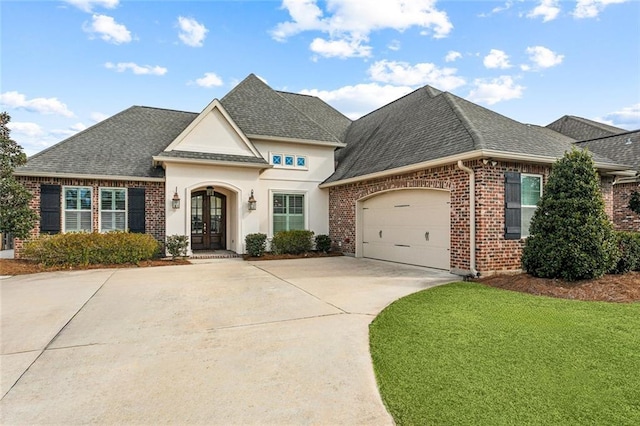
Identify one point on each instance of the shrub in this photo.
(323, 243)
(571, 236)
(177, 245)
(82, 248)
(292, 242)
(629, 252)
(256, 244)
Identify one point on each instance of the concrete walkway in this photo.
(216, 342)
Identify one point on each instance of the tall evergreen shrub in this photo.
(571, 236)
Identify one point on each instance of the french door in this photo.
(208, 221)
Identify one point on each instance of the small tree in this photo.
(571, 236)
(634, 202)
(16, 217)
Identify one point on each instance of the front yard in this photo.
(466, 353)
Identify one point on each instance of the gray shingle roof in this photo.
(624, 148)
(213, 157)
(122, 145)
(259, 110)
(580, 128)
(427, 125)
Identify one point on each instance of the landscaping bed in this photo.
(609, 288)
(310, 254)
(21, 266)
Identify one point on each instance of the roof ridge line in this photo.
(602, 126)
(335, 138)
(615, 135)
(466, 123)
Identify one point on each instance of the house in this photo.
(415, 181)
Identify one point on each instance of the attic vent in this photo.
(628, 141)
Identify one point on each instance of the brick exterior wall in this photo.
(154, 201)
(623, 218)
(493, 253)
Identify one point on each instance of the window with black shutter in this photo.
(136, 204)
(512, 201)
(50, 209)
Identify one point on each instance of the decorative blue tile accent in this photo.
(301, 161)
(288, 160)
(276, 159)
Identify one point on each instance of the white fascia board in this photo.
(160, 160)
(87, 176)
(295, 140)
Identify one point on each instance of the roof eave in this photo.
(266, 138)
(161, 160)
(28, 173)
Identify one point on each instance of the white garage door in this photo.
(408, 226)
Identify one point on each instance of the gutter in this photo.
(472, 218)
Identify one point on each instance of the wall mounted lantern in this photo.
(210, 191)
(175, 201)
(252, 201)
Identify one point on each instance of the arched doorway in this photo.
(208, 220)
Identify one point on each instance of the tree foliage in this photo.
(634, 202)
(571, 236)
(16, 217)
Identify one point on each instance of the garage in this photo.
(407, 226)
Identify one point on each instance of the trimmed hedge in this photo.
(629, 248)
(292, 242)
(256, 244)
(177, 245)
(83, 248)
(323, 243)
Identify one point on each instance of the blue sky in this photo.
(65, 65)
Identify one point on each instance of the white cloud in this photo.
(405, 74)
(496, 59)
(69, 131)
(192, 33)
(452, 55)
(542, 58)
(360, 99)
(39, 105)
(492, 91)
(136, 69)
(88, 5)
(592, 8)
(547, 9)
(351, 21)
(209, 80)
(497, 9)
(626, 118)
(97, 117)
(340, 48)
(108, 29)
(31, 130)
(394, 45)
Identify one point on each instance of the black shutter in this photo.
(136, 210)
(50, 209)
(512, 219)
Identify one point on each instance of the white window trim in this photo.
(522, 205)
(295, 166)
(272, 192)
(126, 208)
(64, 207)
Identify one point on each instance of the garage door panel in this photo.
(408, 226)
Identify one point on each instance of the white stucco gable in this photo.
(214, 132)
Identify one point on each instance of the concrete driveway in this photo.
(216, 342)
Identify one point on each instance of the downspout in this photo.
(472, 217)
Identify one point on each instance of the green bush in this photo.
(256, 244)
(82, 248)
(323, 243)
(292, 242)
(177, 245)
(629, 248)
(571, 236)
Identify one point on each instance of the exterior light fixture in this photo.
(175, 201)
(252, 201)
(210, 191)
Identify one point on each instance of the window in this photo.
(530, 193)
(113, 209)
(77, 209)
(288, 212)
(522, 193)
(289, 161)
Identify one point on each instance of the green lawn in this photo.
(465, 353)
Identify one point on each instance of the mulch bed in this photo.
(609, 288)
(312, 254)
(21, 266)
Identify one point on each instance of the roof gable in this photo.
(213, 132)
(580, 128)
